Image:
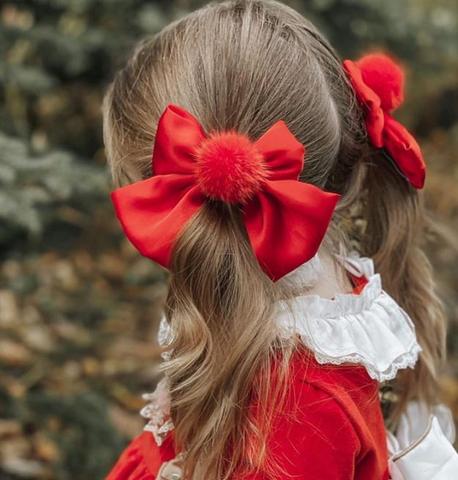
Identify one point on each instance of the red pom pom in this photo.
(229, 167)
(386, 77)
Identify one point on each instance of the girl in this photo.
(271, 163)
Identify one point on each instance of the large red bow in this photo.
(285, 219)
(379, 86)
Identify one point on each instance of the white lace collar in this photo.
(368, 329)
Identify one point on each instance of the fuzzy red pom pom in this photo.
(229, 167)
(386, 77)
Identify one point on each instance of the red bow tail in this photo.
(286, 223)
(402, 146)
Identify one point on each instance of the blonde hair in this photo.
(243, 65)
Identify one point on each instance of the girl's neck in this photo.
(333, 278)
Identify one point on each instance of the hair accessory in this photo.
(285, 219)
(378, 82)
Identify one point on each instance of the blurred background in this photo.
(78, 307)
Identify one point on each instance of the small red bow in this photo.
(285, 219)
(378, 82)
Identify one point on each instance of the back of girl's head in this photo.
(243, 65)
(239, 65)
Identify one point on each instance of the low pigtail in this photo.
(395, 237)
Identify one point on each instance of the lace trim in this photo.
(157, 412)
(164, 335)
(407, 360)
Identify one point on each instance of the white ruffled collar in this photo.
(368, 328)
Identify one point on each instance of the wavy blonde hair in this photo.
(245, 64)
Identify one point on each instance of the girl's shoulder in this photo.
(142, 458)
(330, 422)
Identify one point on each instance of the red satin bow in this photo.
(379, 86)
(285, 219)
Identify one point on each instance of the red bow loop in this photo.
(286, 224)
(378, 82)
(176, 156)
(401, 145)
(284, 159)
(152, 213)
(285, 219)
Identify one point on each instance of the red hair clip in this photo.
(378, 82)
(285, 219)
